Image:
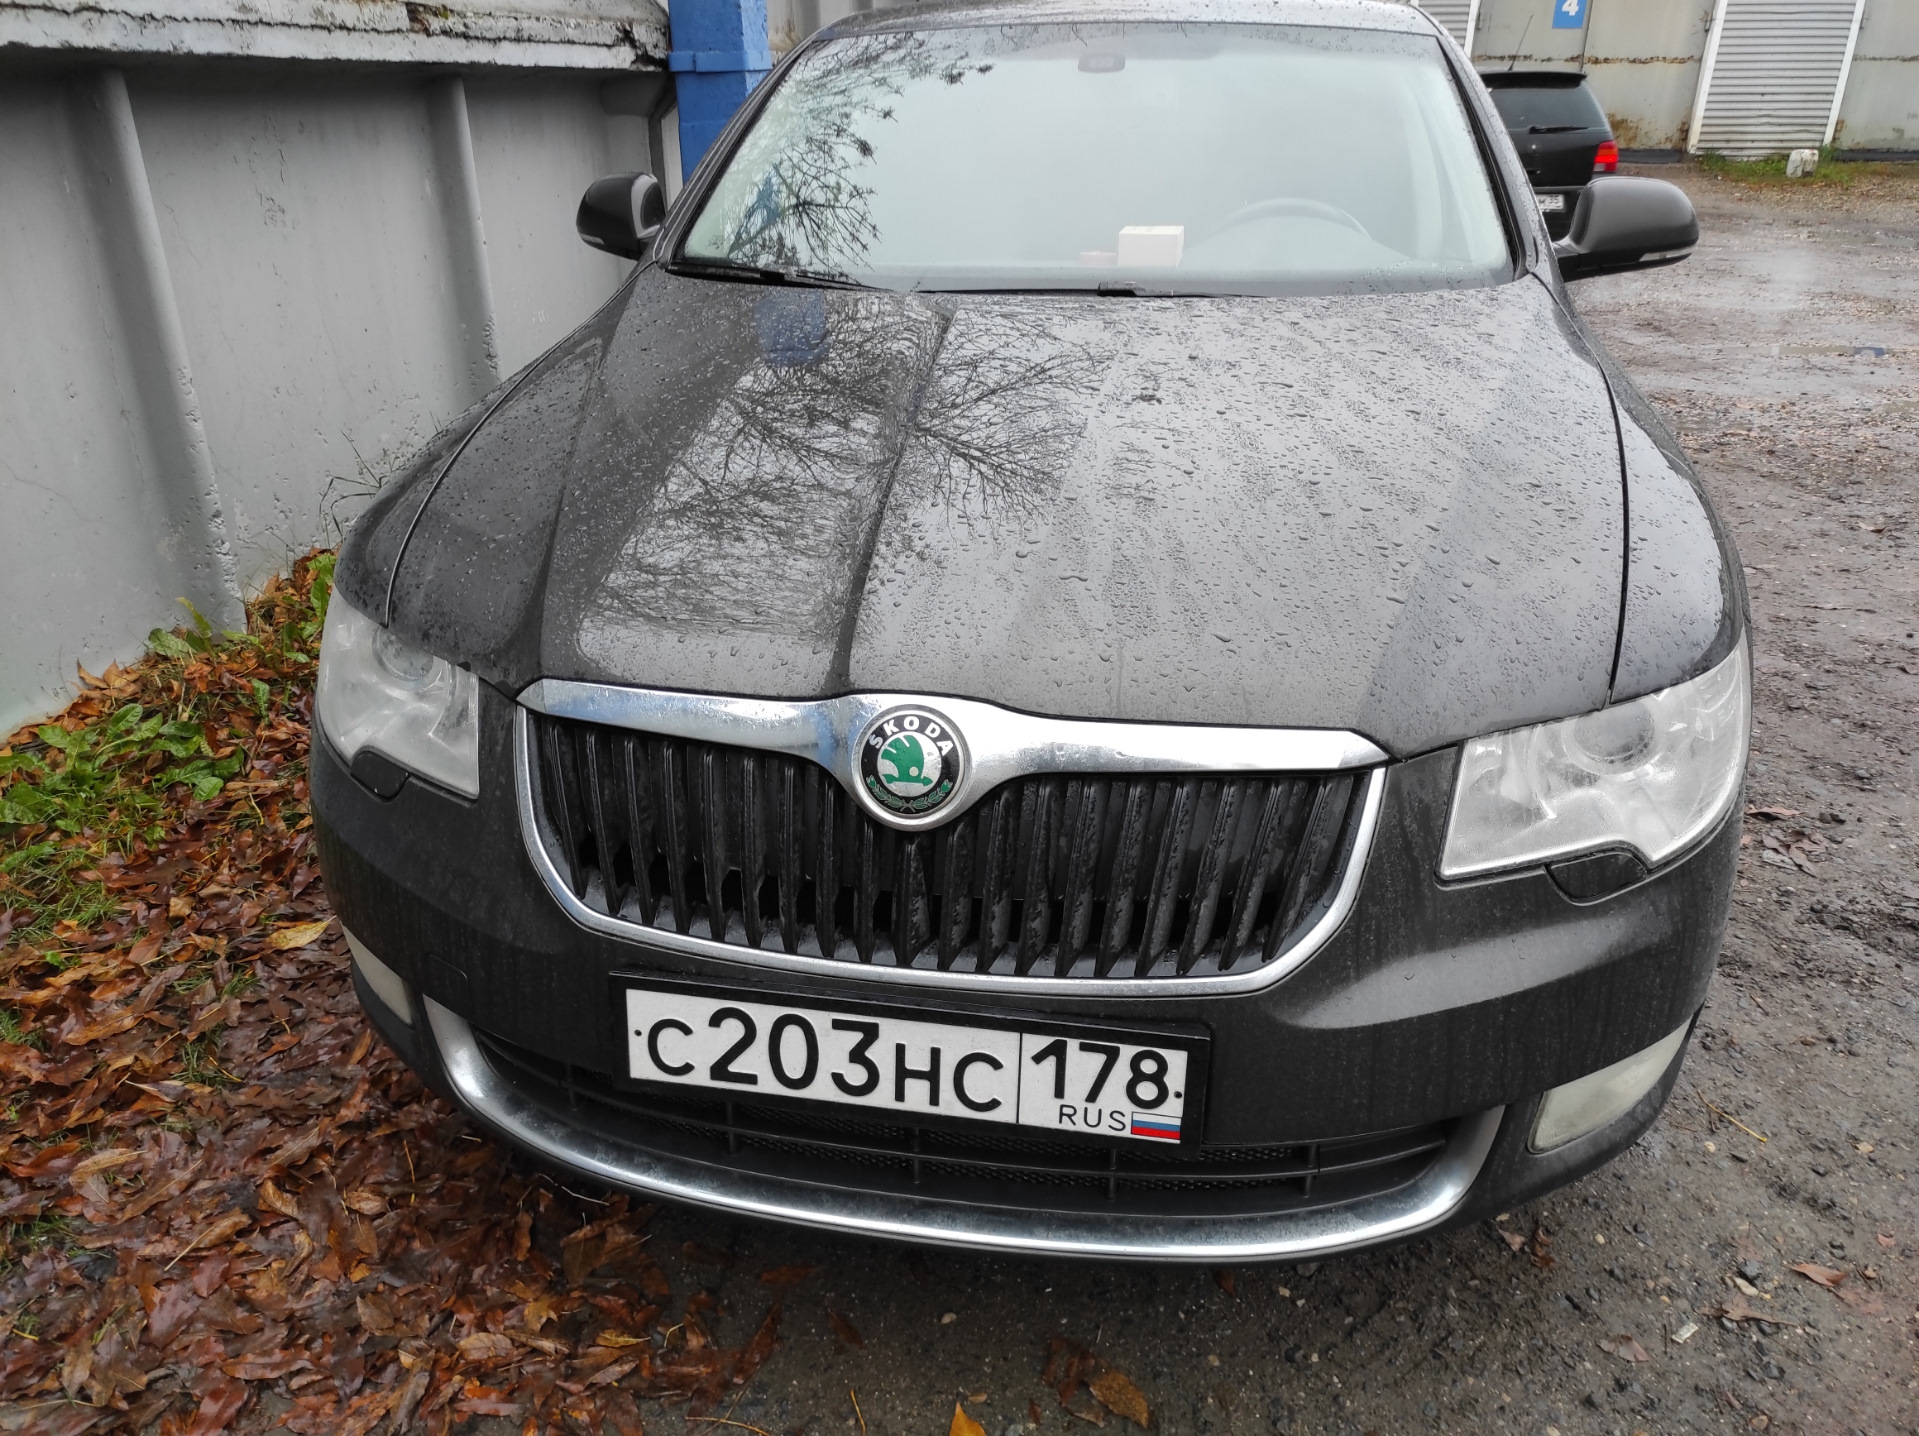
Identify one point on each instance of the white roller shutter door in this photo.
(1457, 17)
(1773, 74)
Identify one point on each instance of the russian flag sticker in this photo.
(1145, 1124)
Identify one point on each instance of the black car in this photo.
(1046, 678)
(1562, 135)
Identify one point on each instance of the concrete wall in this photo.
(88, 540)
(1880, 109)
(1642, 56)
(337, 287)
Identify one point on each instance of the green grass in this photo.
(200, 1061)
(1833, 171)
(115, 773)
(14, 1031)
(22, 1239)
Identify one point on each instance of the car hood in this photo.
(1399, 514)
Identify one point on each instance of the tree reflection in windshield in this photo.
(810, 210)
(1071, 156)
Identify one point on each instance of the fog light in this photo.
(387, 985)
(1592, 1101)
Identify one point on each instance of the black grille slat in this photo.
(1212, 876)
(958, 909)
(554, 753)
(915, 894)
(1124, 884)
(1083, 801)
(996, 888)
(823, 801)
(866, 888)
(792, 817)
(752, 849)
(1038, 804)
(715, 858)
(639, 824)
(1068, 875)
(1162, 896)
(1314, 853)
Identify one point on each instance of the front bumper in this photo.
(1448, 1006)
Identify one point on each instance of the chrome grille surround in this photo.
(1003, 747)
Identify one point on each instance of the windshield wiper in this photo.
(757, 274)
(1553, 129)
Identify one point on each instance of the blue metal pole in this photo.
(719, 54)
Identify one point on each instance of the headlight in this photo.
(378, 691)
(1653, 775)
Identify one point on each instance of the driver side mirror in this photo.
(621, 214)
(1627, 222)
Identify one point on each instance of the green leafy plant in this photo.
(140, 746)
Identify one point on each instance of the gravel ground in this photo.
(1787, 355)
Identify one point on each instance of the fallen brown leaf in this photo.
(1542, 1256)
(275, 1200)
(1625, 1347)
(781, 1277)
(1116, 1392)
(848, 1333)
(963, 1425)
(1738, 1309)
(216, 1232)
(207, 1051)
(302, 934)
(103, 1161)
(484, 1346)
(1826, 1276)
(222, 1402)
(374, 1314)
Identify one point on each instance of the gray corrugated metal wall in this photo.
(235, 307)
(1773, 70)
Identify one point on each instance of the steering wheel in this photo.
(1293, 204)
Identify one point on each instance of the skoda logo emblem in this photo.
(911, 762)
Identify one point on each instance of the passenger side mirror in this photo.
(621, 214)
(1627, 222)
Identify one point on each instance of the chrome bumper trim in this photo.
(533, 832)
(1299, 1236)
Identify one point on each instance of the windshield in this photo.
(1548, 107)
(1157, 157)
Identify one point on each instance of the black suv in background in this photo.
(1561, 134)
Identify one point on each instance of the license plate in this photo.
(1091, 1081)
(1551, 203)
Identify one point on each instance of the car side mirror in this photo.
(621, 214)
(1627, 222)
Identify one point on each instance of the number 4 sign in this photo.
(1569, 14)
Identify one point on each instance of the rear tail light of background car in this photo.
(1606, 162)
